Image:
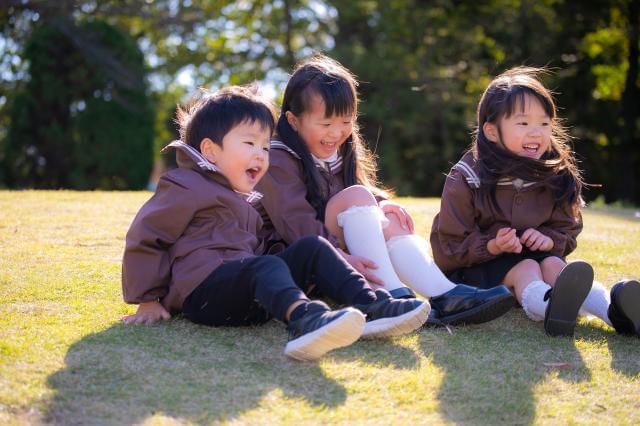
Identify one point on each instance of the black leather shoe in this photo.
(566, 297)
(624, 310)
(402, 293)
(470, 305)
(433, 320)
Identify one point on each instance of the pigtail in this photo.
(288, 136)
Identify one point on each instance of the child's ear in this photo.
(490, 131)
(210, 150)
(292, 120)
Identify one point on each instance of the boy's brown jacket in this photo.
(460, 232)
(284, 207)
(191, 225)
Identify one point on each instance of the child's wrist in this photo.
(493, 248)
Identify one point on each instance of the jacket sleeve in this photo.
(563, 228)
(458, 240)
(146, 265)
(285, 200)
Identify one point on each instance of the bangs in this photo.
(214, 116)
(516, 99)
(255, 114)
(337, 94)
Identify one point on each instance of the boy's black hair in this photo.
(214, 115)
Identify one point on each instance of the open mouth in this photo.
(253, 172)
(531, 148)
(328, 145)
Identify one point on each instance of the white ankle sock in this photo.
(411, 260)
(533, 301)
(362, 226)
(597, 302)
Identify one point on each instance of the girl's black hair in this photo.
(324, 77)
(556, 168)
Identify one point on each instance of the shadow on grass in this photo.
(623, 349)
(126, 374)
(624, 354)
(491, 370)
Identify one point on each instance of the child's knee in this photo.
(551, 267)
(528, 265)
(356, 195)
(552, 262)
(523, 273)
(310, 243)
(268, 264)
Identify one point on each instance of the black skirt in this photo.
(490, 274)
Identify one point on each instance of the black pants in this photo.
(251, 290)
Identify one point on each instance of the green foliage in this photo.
(83, 119)
(423, 66)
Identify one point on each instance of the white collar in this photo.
(321, 161)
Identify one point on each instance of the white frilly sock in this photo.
(362, 226)
(411, 260)
(597, 302)
(533, 301)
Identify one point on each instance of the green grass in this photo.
(66, 358)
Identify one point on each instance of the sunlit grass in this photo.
(65, 358)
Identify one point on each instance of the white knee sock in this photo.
(597, 302)
(411, 260)
(533, 301)
(362, 226)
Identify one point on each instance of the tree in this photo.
(423, 66)
(83, 119)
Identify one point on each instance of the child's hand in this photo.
(536, 240)
(403, 217)
(506, 241)
(147, 313)
(363, 265)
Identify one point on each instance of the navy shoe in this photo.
(624, 310)
(470, 305)
(433, 320)
(320, 330)
(566, 297)
(402, 293)
(388, 317)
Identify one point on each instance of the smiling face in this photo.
(526, 132)
(243, 157)
(322, 135)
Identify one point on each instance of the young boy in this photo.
(194, 246)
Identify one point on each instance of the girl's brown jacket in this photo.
(285, 208)
(464, 226)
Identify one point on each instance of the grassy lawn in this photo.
(65, 357)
